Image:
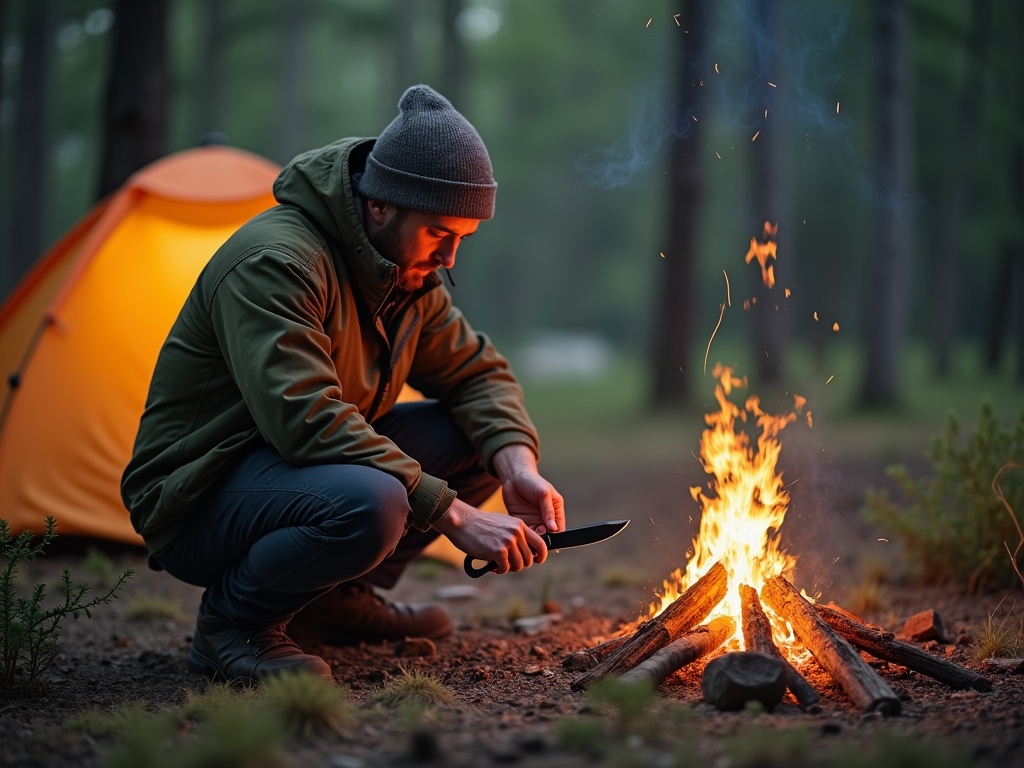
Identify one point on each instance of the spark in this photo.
(676, 19)
(716, 68)
(662, 254)
(835, 327)
(719, 156)
(830, 378)
(766, 113)
(810, 421)
(815, 317)
(773, 85)
(708, 352)
(836, 560)
(788, 293)
(756, 135)
(728, 293)
(837, 107)
(694, 118)
(885, 540)
(648, 23)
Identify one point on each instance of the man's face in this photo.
(417, 243)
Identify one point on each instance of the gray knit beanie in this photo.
(430, 159)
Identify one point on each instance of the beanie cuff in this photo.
(461, 199)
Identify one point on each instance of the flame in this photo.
(764, 251)
(747, 504)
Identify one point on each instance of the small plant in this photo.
(516, 609)
(309, 705)
(999, 639)
(100, 567)
(581, 735)
(622, 576)
(155, 608)
(414, 688)
(765, 746)
(628, 700)
(200, 706)
(30, 633)
(953, 527)
(429, 570)
(96, 722)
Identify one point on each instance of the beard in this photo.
(388, 243)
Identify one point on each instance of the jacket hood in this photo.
(320, 183)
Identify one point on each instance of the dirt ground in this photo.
(510, 688)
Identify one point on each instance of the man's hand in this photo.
(527, 495)
(506, 540)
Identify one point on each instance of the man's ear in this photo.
(377, 210)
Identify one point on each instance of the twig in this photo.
(1002, 497)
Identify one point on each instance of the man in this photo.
(272, 465)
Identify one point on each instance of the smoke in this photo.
(772, 55)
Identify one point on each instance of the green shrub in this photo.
(953, 527)
(30, 633)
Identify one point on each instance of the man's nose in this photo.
(445, 253)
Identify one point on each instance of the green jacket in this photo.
(283, 340)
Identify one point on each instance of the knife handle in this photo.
(476, 573)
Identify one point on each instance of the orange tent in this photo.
(80, 335)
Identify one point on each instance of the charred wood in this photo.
(836, 656)
(687, 649)
(689, 610)
(757, 636)
(883, 646)
(580, 661)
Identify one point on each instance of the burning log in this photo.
(757, 636)
(689, 610)
(687, 649)
(881, 645)
(862, 684)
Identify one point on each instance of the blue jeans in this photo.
(268, 537)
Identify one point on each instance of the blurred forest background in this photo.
(639, 145)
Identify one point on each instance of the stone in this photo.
(924, 626)
(457, 592)
(532, 669)
(416, 646)
(964, 639)
(550, 606)
(531, 625)
(733, 680)
(538, 651)
(578, 661)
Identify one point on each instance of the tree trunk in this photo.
(211, 75)
(954, 208)
(30, 144)
(453, 54)
(290, 112)
(676, 295)
(887, 290)
(1017, 184)
(769, 197)
(1000, 305)
(405, 24)
(135, 126)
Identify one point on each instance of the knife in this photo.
(574, 537)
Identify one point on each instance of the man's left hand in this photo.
(527, 495)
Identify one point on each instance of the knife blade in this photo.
(573, 537)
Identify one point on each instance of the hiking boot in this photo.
(354, 612)
(224, 651)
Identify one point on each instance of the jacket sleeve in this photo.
(462, 369)
(267, 312)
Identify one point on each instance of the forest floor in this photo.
(512, 701)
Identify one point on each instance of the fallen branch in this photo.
(580, 661)
(685, 613)
(836, 656)
(687, 649)
(757, 636)
(881, 645)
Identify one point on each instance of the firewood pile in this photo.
(676, 637)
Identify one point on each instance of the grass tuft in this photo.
(200, 706)
(415, 687)
(96, 722)
(309, 705)
(869, 596)
(155, 608)
(623, 576)
(765, 746)
(999, 639)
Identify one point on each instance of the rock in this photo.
(538, 651)
(1005, 666)
(550, 606)
(457, 592)
(923, 626)
(532, 669)
(531, 625)
(424, 747)
(964, 639)
(732, 680)
(416, 646)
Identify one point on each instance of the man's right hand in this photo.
(506, 540)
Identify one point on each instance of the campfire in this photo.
(736, 594)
